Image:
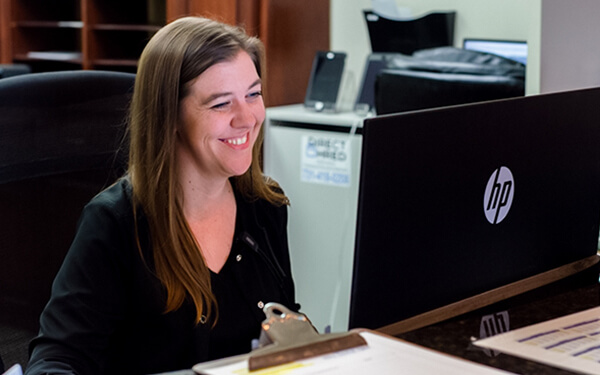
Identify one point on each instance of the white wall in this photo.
(570, 50)
(493, 19)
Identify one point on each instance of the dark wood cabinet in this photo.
(115, 32)
(41, 32)
(110, 34)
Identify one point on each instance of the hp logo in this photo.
(492, 325)
(499, 195)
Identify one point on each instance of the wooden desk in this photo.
(455, 336)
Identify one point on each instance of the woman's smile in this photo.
(239, 141)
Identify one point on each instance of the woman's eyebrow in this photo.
(217, 95)
(257, 82)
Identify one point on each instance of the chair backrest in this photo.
(10, 70)
(435, 29)
(61, 142)
(60, 121)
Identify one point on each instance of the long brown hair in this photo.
(174, 56)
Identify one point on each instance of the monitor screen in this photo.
(514, 50)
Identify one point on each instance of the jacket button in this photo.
(260, 304)
(238, 257)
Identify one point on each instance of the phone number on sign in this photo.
(325, 177)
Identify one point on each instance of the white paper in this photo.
(14, 370)
(55, 55)
(390, 10)
(382, 356)
(571, 342)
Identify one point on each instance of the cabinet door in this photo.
(293, 31)
(222, 10)
(233, 12)
(5, 43)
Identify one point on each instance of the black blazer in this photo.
(106, 313)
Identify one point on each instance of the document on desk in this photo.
(383, 356)
(571, 342)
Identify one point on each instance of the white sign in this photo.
(325, 160)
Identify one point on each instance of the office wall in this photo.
(505, 19)
(570, 53)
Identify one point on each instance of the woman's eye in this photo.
(255, 94)
(219, 105)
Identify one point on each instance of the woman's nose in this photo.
(244, 115)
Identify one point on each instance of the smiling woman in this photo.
(173, 264)
(220, 121)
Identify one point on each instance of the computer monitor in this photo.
(511, 49)
(457, 201)
(325, 79)
(365, 100)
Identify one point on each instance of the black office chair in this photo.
(61, 142)
(11, 70)
(435, 29)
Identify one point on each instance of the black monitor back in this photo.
(423, 236)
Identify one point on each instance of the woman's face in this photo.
(220, 119)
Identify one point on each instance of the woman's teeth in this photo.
(237, 141)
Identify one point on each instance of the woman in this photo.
(172, 265)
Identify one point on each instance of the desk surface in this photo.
(455, 336)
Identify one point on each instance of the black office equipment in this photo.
(408, 90)
(459, 201)
(325, 80)
(406, 36)
(445, 76)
